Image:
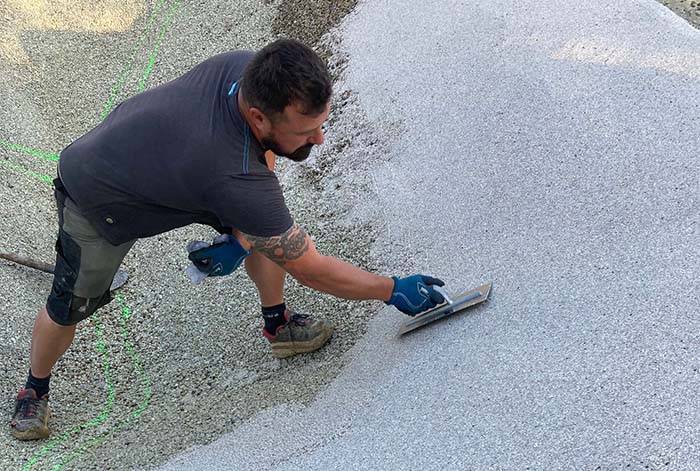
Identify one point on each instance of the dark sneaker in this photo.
(31, 418)
(301, 334)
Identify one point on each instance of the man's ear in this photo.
(270, 160)
(260, 121)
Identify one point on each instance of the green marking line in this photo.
(152, 59)
(127, 68)
(26, 171)
(145, 384)
(36, 153)
(27, 150)
(91, 423)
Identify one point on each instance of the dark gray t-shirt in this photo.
(177, 154)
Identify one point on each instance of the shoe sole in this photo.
(288, 349)
(34, 433)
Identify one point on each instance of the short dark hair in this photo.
(286, 72)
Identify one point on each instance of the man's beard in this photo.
(299, 155)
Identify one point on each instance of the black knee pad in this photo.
(82, 308)
(79, 309)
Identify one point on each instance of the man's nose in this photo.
(317, 138)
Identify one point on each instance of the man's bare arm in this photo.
(296, 253)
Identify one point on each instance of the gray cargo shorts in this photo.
(85, 264)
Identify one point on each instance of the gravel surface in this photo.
(168, 365)
(172, 365)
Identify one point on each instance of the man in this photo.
(200, 149)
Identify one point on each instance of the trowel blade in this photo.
(119, 279)
(460, 303)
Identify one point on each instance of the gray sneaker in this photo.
(301, 334)
(31, 418)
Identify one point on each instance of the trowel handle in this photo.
(443, 292)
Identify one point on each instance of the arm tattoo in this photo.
(283, 248)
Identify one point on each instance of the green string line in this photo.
(145, 384)
(152, 59)
(97, 420)
(26, 171)
(127, 68)
(34, 152)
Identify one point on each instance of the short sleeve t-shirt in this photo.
(177, 154)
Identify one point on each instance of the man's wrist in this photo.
(387, 289)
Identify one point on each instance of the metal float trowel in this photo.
(452, 305)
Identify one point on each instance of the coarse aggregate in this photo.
(171, 365)
(549, 147)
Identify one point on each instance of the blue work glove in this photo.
(414, 294)
(219, 259)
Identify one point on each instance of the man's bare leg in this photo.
(268, 278)
(49, 342)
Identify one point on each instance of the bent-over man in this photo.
(200, 149)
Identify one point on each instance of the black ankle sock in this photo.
(40, 385)
(274, 317)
